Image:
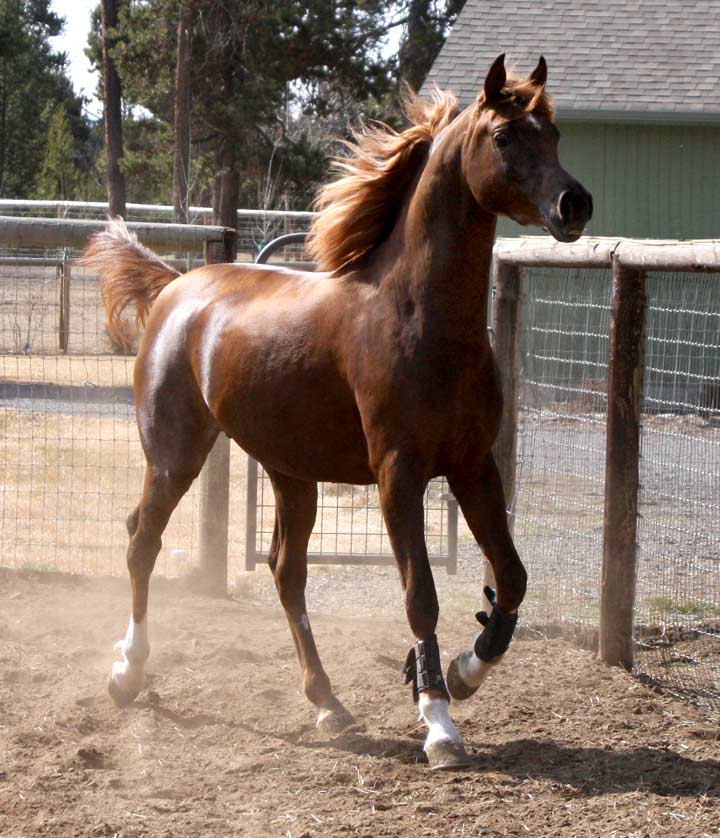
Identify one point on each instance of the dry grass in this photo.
(71, 479)
(69, 370)
(69, 482)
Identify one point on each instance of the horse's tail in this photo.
(129, 273)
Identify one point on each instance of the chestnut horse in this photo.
(376, 369)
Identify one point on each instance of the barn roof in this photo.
(652, 59)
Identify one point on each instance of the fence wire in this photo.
(677, 615)
(72, 466)
(558, 508)
(558, 505)
(350, 523)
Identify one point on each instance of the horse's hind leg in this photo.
(176, 449)
(146, 524)
(478, 490)
(295, 511)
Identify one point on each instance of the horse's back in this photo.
(259, 351)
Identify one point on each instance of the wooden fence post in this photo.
(215, 477)
(251, 551)
(507, 293)
(622, 471)
(64, 271)
(452, 540)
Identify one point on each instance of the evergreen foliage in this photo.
(273, 83)
(33, 88)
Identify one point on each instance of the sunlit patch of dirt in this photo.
(222, 742)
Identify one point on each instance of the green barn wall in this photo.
(647, 181)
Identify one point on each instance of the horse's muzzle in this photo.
(568, 218)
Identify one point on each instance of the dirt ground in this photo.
(223, 743)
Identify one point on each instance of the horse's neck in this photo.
(443, 247)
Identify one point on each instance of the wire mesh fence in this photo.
(558, 508)
(677, 618)
(559, 499)
(350, 526)
(73, 466)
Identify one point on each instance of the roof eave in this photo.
(638, 117)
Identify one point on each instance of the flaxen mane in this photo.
(358, 210)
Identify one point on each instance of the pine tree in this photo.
(59, 177)
(260, 72)
(272, 81)
(33, 83)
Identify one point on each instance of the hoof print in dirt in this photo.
(91, 757)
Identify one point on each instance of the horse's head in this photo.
(510, 158)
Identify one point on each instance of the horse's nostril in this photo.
(575, 206)
(565, 207)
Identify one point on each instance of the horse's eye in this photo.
(502, 139)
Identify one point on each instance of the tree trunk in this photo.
(226, 186)
(183, 92)
(416, 51)
(112, 95)
(3, 129)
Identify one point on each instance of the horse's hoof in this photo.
(119, 696)
(334, 719)
(446, 755)
(457, 688)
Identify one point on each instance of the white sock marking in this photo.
(129, 673)
(435, 713)
(472, 670)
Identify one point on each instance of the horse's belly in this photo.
(304, 428)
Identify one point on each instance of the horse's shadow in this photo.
(583, 770)
(592, 771)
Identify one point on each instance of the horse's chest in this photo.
(438, 404)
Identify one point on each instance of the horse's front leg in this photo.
(401, 498)
(478, 490)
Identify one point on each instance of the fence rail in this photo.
(67, 209)
(51, 232)
(254, 227)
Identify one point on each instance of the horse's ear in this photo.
(538, 77)
(495, 80)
